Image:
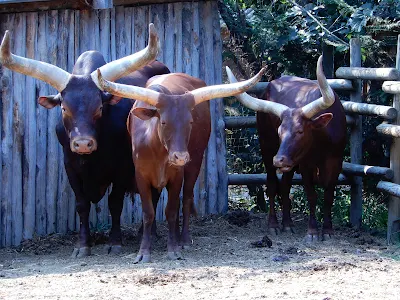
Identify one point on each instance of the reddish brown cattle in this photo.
(169, 129)
(300, 130)
(91, 130)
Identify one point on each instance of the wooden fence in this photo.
(35, 194)
(350, 79)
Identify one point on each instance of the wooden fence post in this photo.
(394, 202)
(356, 138)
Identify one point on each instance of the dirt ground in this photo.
(222, 263)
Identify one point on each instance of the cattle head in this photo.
(298, 125)
(174, 112)
(80, 96)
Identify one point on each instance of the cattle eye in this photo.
(63, 109)
(162, 122)
(300, 132)
(101, 108)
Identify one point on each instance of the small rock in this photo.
(280, 258)
(270, 280)
(291, 250)
(103, 281)
(83, 264)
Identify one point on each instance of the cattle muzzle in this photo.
(179, 159)
(83, 145)
(283, 163)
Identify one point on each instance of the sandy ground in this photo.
(221, 264)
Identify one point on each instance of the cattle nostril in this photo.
(90, 144)
(76, 145)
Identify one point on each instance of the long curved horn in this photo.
(225, 90)
(328, 96)
(123, 66)
(257, 104)
(55, 76)
(128, 91)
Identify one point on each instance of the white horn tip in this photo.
(6, 38)
(152, 29)
(231, 77)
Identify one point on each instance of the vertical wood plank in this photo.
(7, 143)
(156, 16)
(4, 84)
(186, 37)
(65, 29)
(18, 128)
(394, 202)
(72, 215)
(42, 89)
(356, 138)
(104, 27)
(177, 14)
(200, 193)
(220, 139)
(169, 44)
(53, 117)
(207, 36)
(29, 170)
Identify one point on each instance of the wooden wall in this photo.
(35, 194)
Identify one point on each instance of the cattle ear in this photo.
(110, 99)
(322, 120)
(145, 113)
(50, 101)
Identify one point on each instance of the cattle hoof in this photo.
(175, 255)
(274, 231)
(81, 252)
(327, 236)
(185, 247)
(288, 229)
(114, 249)
(142, 258)
(311, 238)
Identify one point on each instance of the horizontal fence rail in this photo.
(389, 130)
(364, 170)
(389, 187)
(336, 84)
(391, 87)
(245, 179)
(368, 73)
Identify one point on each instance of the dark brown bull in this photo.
(301, 127)
(170, 128)
(91, 130)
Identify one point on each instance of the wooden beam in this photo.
(244, 179)
(386, 112)
(389, 129)
(391, 87)
(364, 170)
(391, 188)
(26, 6)
(336, 84)
(356, 137)
(102, 4)
(394, 203)
(368, 73)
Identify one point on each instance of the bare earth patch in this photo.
(221, 264)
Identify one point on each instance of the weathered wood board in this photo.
(35, 194)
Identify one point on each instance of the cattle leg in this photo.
(287, 223)
(155, 196)
(144, 254)
(327, 229)
(115, 204)
(272, 186)
(312, 232)
(172, 214)
(83, 209)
